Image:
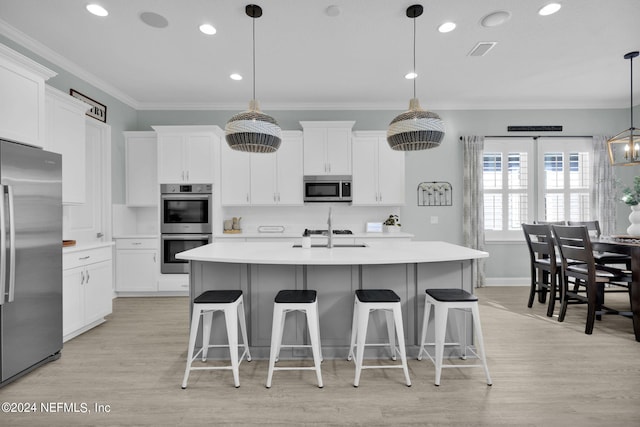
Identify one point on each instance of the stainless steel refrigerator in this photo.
(30, 259)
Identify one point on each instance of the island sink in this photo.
(335, 245)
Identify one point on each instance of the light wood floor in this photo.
(545, 373)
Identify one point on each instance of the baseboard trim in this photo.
(507, 281)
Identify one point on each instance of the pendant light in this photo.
(624, 148)
(415, 129)
(252, 130)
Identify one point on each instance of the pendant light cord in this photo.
(631, 95)
(414, 58)
(254, 58)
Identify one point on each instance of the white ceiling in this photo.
(357, 60)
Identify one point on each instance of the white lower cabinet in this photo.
(87, 289)
(136, 265)
(174, 283)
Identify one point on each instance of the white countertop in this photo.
(85, 246)
(394, 252)
(287, 235)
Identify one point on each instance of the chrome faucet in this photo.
(330, 231)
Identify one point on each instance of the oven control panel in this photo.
(185, 188)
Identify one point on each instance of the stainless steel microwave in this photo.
(327, 188)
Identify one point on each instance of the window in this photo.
(525, 179)
(508, 193)
(566, 179)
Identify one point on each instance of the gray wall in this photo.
(507, 260)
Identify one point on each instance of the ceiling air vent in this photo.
(482, 48)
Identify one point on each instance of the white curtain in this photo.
(603, 193)
(473, 207)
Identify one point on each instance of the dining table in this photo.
(629, 245)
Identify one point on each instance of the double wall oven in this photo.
(185, 222)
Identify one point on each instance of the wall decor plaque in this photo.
(98, 111)
(435, 193)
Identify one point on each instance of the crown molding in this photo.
(41, 50)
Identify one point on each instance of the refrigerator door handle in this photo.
(3, 249)
(12, 252)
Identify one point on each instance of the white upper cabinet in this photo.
(378, 171)
(235, 176)
(186, 153)
(263, 179)
(22, 110)
(276, 179)
(66, 134)
(141, 152)
(290, 169)
(327, 147)
(264, 186)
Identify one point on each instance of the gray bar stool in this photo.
(366, 301)
(231, 303)
(443, 300)
(295, 300)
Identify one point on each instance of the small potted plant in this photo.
(631, 197)
(392, 224)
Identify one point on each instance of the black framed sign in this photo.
(98, 111)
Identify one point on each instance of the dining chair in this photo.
(593, 227)
(545, 267)
(583, 279)
(551, 222)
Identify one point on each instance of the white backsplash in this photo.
(313, 216)
(135, 221)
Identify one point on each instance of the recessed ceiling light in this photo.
(208, 29)
(549, 9)
(154, 20)
(332, 11)
(410, 76)
(447, 27)
(496, 18)
(97, 10)
(235, 76)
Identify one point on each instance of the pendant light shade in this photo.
(624, 148)
(252, 130)
(415, 129)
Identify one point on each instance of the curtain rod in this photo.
(536, 136)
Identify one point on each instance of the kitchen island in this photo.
(261, 269)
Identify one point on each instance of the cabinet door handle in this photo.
(84, 257)
(88, 277)
(82, 277)
(187, 175)
(154, 258)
